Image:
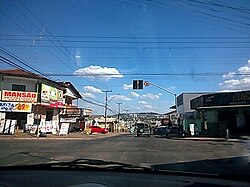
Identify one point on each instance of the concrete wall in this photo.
(186, 107)
(30, 83)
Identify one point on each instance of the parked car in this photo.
(143, 129)
(95, 129)
(169, 130)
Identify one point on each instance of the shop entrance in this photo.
(19, 116)
(233, 121)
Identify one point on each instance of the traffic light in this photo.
(137, 84)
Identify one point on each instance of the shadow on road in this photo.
(226, 166)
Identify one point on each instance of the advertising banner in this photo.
(68, 120)
(64, 128)
(51, 96)
(8, 95)
(48, 126)
(15, 107)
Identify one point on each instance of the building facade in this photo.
(185, 114)
(220, 112)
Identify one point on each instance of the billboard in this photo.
(51, 96)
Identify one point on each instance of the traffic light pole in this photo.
(172, 93)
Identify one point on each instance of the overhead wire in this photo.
(22, 61)
(155, 74)
(31, 37)
(74, 59)
(142, 47)
(137, 37)
(141, 42)
(162, 6)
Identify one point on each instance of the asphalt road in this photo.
(156, 152)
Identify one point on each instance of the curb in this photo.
(209, 139)
(91, 137)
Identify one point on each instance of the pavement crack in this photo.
(37, 156)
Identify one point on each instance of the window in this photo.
(18, 87)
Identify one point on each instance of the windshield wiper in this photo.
(89, 164)
(80, 163)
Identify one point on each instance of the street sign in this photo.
(146, 83)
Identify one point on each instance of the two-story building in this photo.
(27, 99)
(185, 114)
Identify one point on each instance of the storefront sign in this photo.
(15, 107)
(8, 95)
(68, 120)
(222, 99)
(51, 96)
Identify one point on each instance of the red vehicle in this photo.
(97, 129)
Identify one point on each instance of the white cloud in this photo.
(171, 88)
(147, 107)
(142, 102)
(134, 94)
(88, 95)
(160, 94)
(237, 82)
(105, 73)
(127, 86)
(92, 89)
(122, 97)
(245, 69)
(229, 75)
(150, 96)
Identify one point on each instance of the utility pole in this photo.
(119, 110)
(106, 105)
(127, 117)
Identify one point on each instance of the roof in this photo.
(28, 74)
(171, 112)
(194, 93)
(20, 73)
(71, 87)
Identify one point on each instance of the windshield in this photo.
(78, 77)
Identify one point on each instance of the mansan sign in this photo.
(8, 95)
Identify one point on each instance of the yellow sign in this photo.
(15, 107)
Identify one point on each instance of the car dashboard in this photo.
(84, 178)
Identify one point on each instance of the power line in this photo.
(6, 61)
(154, 74)
(39, 41)
(21, 61)
(163, 6)
(31, 37)
(139, 37)
(74, 59)
(142, 47)
(140, 42)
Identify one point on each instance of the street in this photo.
(155, 152)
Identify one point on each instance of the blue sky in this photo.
(183, 46)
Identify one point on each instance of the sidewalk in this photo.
(70, 136)
(211, 139)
